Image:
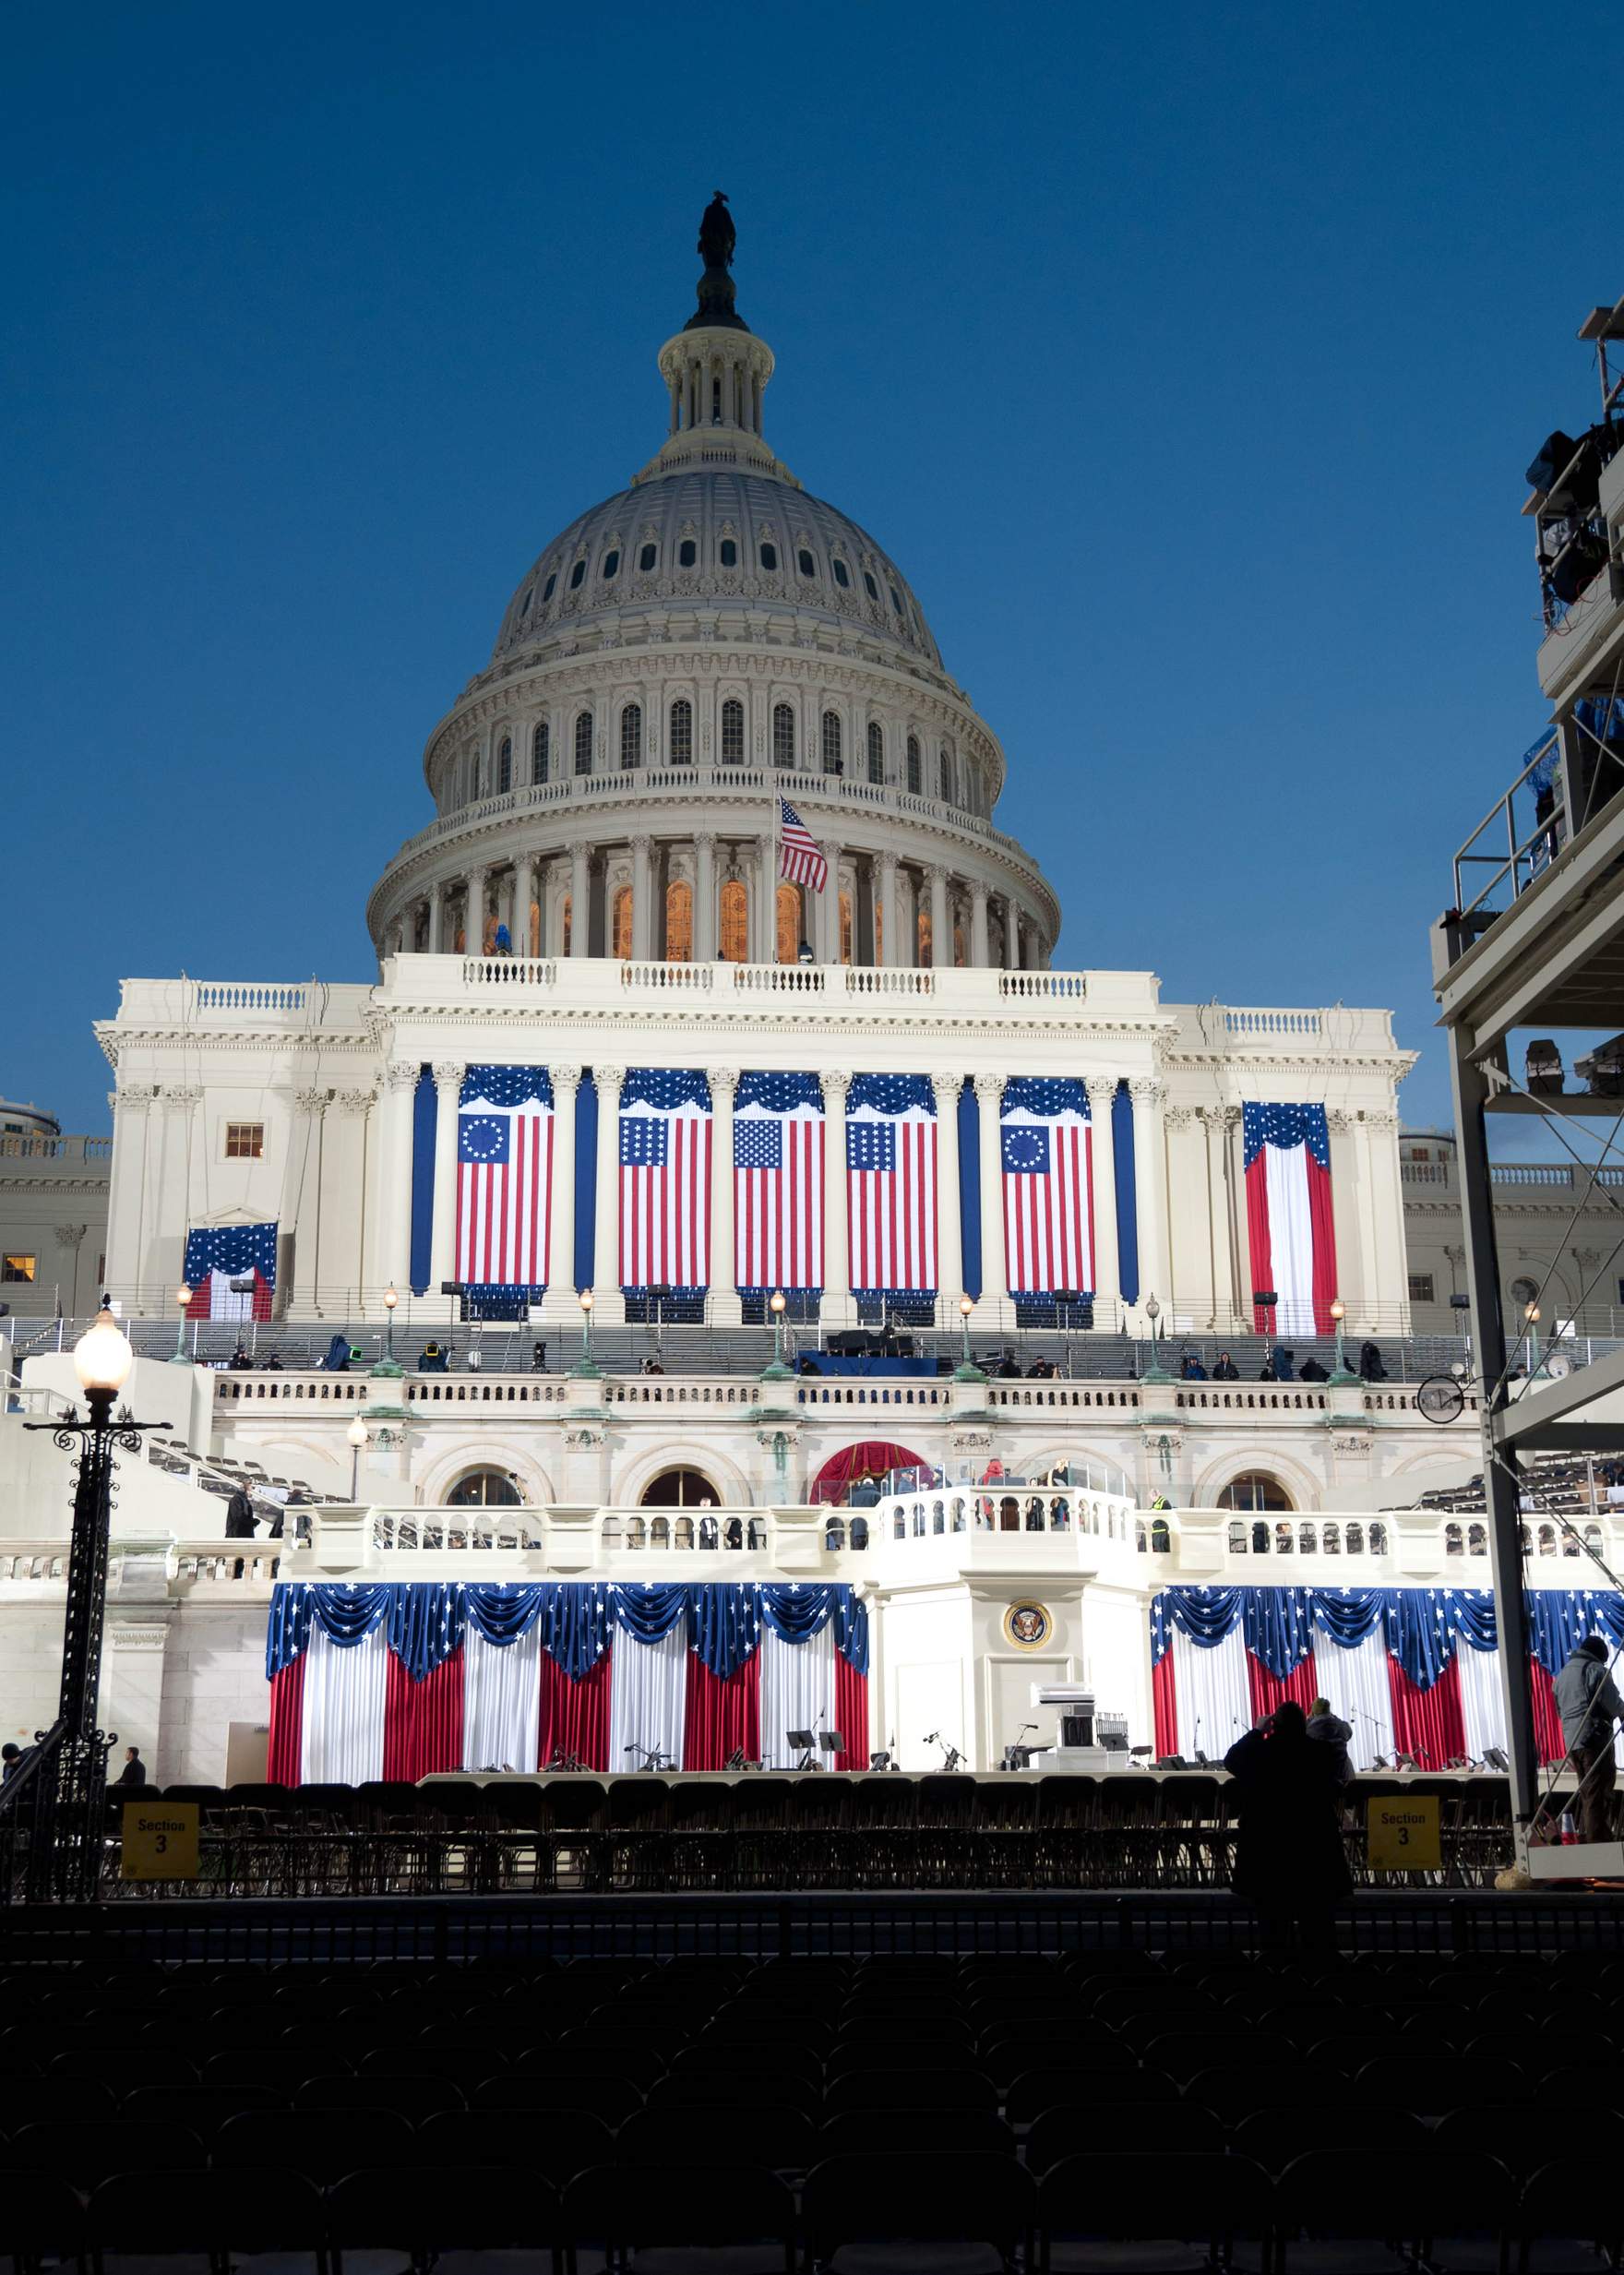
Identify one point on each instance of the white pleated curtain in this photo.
(343, 1708)
(1215, 1695)
(502, 1701)
(1291, 1240)
(647, 1693)
(798, 1692)
(1355, 1685)
(1483, 1708)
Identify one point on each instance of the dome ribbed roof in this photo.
(710, 510)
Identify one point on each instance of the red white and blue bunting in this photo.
(1413, 1669)
(1291, 1235)
(400, 1680)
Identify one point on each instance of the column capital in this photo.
(608, 1078)
(936, 873)
(980, 892)
(354, 1101)
(1220, 1118)
(448, 1074)
(642, 845)
(184, 1096)
(989, 1087)
(705, 841)
(1379, 1121)
(947, 1087)
(724, 1081)
(71, 1235)
(887, 864)
(1145, 1090)
(1338, 1119)
(566, 1078)
(399, 1077)
(1182, 1116)
(135, 1094)
(1102, 1092)
(311, 1102)
(837, 1081)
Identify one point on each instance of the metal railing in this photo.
(28, 1818)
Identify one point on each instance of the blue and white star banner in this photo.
(778, 1128)
(504, 1176)
(1048, 1160)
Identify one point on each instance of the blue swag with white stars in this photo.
(1423, 1628)
(236, 1248)
(1285, 1127)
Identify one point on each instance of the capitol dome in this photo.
(683, 661)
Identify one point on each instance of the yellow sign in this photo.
(160, 1841)
(1402, 1833)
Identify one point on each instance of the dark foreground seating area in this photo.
(642, 1834)
(1105, 2110)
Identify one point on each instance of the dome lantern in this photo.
(715, 370)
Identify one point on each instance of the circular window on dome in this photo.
(577, 575)
(842, 575)
(611, 564)
(647, 558)
(727, 553)
(770, 556)
(806, 564)
(687, 553)
(549, 588)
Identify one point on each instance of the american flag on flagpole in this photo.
(664, 1178)
(799, 861)
(1045, 1141)
(890, 1183)
(504, 1176)
(778, 1130)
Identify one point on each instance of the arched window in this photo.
(611, 569)
(621, 946)
(631, 736)
(549, 588)
(896, 598)
(505, 766)
(540, 753)
(783, 735)
(1237, 1538)
(1477, 1539)
(680, 1489)
(1255, 1490)
(583, 742)
(735, 922)
(806, 564)
(788, 923)
(842, 575)
(1330, 1539)
(1354, 1535)
(727, 553)
(921, 931)
(577, 576)
(914, 776)
(944, 775)
(647, 558)
(876, 751)
(687, 553)
(1378, 1540)
(682, 732)
(831, 742)
(1282, 1541)
(733, 732)
(769, 557)
(869, 586)
(845, 927)
(484, 1488)
(1454, 1540)
(679, 923)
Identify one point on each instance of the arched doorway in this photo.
(484, 1488)
(845, 1472)
(1255, 1490)
(680, 1489)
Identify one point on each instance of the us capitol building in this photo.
(621, 1043)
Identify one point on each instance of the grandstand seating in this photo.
(1194, 2104)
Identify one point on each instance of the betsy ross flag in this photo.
(799, 860)
(1046, 1144)
(777, 1181)
(217, 1255)
(1290, 1230)
(890, 1183)
(504, 1176)
(664, 1178)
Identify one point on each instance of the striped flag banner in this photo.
(1047, 1150)
(504, 1176)
(664, 1179)
(778, 1130)
(1291, 1232)
(890, 1184)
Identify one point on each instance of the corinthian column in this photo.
(311, 1106)
(1101, 1097)
(725, 1307)
(391, 1258)
(560, 1297)
(704, 898)
(949, 1243)
(442, 1243)
(995, 1287)
(580, 899)
(609, 1304)
(1226, 1316)
(890, 922)
(980, 952)
(1150, 1189)
(837, 1259)
(941, 929)
(642, 900)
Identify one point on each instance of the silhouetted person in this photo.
(12, 1758)
(135, 1769)
(1312, 1372)
(1370, 1367)
(1289, 1863)
(1328, 1729)
(1589, 1703)
(240, 1521)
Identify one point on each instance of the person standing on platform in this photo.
(1588, 1701)
(1330, 1730)
(1289, 1861)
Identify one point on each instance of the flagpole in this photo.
(772, 877)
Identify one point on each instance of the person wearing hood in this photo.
(1588, 1701)
(1330, 1730)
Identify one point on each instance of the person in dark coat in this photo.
(135, 1769)
(1225, 1369)
(1289, 1863)
(1370, 1366)
(241, 1523)
(1588, 1701)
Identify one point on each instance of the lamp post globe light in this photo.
(182, 1296)
(65, 1858)
(1155, 1372)
(359, 1438)
(966, 1371)
(1342, 1372)
(586, 1365)
(389, 1365)
(777, 1304)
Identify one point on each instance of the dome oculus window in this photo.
(770, 556)
(577, 576)
(727, 553)
(806, 564)
(647, 558)
(549, 588)
(611, 564)
(687, 553)
(842, 575)
(869, 586)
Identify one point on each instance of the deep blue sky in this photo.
(1187, 360)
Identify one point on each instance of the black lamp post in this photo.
(65, 1862)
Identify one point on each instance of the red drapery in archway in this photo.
(872, 1458)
